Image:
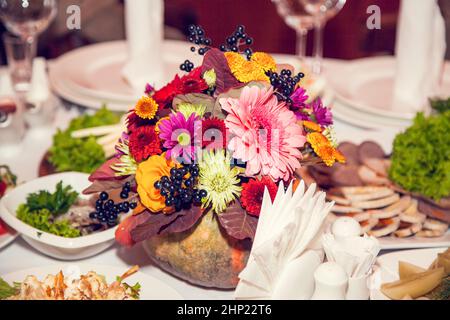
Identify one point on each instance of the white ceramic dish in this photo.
(49, 244)
(387, 267)
(368, 87)
(151, 288)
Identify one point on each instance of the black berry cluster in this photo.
(107, 211)
(187, 66)
(284, 83)
(179, 189)
(236, 40)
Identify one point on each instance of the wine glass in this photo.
(27, 19)
(321, 11)
(296, 17)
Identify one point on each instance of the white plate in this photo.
(387, 267)
(91, 75)
(394, 243)
(151, 288)
(368, 86)
(50, 244)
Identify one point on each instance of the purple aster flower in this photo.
(178, 135)
(299, 98)
(149, 89)
(122, 143)
(322, 114)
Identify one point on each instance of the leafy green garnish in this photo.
(57, 203)
(6, 290)
(135, 290)
(76, 154)
(440, 105)
(421, 156)
(43, 220)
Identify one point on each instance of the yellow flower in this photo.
(265, 61)
(147, 173)
(323, 148)
(146, 108)
(254, 70)
(312, 126)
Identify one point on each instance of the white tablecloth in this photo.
(24, 161)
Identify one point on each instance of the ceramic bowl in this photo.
(47, 243)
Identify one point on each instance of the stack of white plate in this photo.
(91, 76)
(362, 92)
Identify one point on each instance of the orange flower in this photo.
(312, 126)
(147, 173)
(323, 148)
(146, 108)
(254, 70)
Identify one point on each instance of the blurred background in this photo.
(346, 35)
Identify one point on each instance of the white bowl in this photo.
(47, 243)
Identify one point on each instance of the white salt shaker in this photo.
(357, 288)
(345, 228)
(330, 282)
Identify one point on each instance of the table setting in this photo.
(155, 169)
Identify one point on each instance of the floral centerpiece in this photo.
(199, 152)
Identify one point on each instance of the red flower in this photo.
(213, 134)
(144, 142)
(190, 83)
(134, 121)
(253, 192)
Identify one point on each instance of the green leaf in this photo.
(6, 290)
(57, 203)
(421, 156)
(82, 155)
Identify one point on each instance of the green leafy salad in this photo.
(80, 154)
(421, 156)
(43, 208)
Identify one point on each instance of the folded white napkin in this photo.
(39, 87)
(282, 255)
(355, 255)
(420, 52)
(144, 24)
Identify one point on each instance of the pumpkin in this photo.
(203, 255)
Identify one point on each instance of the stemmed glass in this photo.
(296, 17)
(321, 11)
(27, 19)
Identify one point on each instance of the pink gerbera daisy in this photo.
(178, 135)
(266, 134)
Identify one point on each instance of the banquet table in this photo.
(24, 160)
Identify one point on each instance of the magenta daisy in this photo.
(299, 98)
(266, 135)
(178, 135)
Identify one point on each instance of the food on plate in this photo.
(415, 285)
(64, 214)
(362, 189)
(81, 153)
(420, 157)
(416, 282)
(91, 286)
(7, 181)
(406, 269)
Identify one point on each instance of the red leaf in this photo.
(154, 223)
(184, 221)
(237, 223)
(225, 80)
(108, 185)
(123, 232)
(104, 172)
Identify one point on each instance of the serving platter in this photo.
(387, 267)
(368, 88)
(151, 288)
